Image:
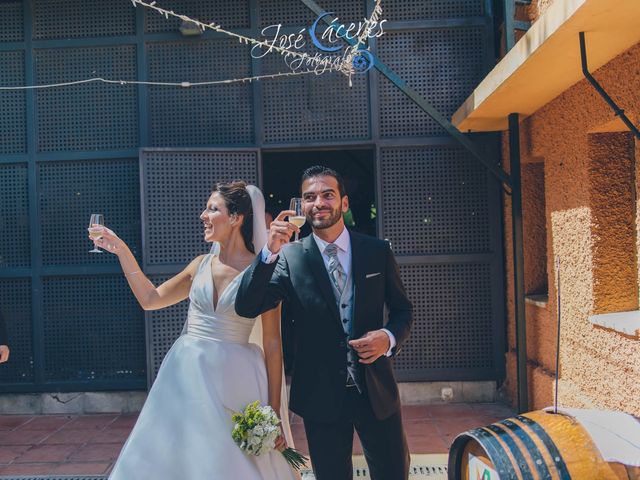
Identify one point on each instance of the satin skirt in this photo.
(184, 429)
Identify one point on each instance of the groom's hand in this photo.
(280, 231)
(371, 346)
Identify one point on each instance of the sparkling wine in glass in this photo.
(298, 219)
(94, 232)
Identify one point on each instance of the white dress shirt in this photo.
(343, 242)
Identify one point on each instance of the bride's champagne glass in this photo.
(298, 219)
(94, 232)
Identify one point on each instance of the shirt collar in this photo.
(343, 241)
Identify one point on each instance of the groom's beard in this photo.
(322, 223)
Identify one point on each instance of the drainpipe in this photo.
(618, 111)
(518, 262)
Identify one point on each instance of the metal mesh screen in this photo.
(395, 10)
(443, 65)
(228, 13)
(93, 329)
(13, 121)
(15, 248)
(163, 328)
(177, 185)
(313, 108)
(71, 191)
(453, 319)
(295, 13)
(216, 114)
(435, 201)
(11, 22)
(82, 18)
(91, 116)
(15, 303)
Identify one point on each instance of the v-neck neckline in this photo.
(215, 304)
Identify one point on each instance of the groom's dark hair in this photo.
(322, 171)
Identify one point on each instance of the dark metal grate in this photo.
(15, 303)
(13, 121)
(395, 10)
(453, 319)
(71, 191)
(11, 22)
(177, 185)
(163, 328)
(228, 13)
(435, 201)
(216, 114)
(89, 116)
(82, 18)
(93, 329)
(295, 13)
(443, 65)
(15, 248)
(313, 108)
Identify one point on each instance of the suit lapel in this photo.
(358, 261)
(320, 274)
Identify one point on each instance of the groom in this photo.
(336, 284)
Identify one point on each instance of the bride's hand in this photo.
(281, 443)
(109, 240)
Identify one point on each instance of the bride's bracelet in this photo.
(132, 273)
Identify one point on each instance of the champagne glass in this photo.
(95, 233)
(298, 219)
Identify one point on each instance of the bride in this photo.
(212, 370)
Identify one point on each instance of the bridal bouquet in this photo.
(256, 430)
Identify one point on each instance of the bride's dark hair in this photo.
(238, 201)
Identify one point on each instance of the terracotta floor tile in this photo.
(47, 422)
(91, 421)
(111, 435)
(77, 436)
(10, 422)
(28, 469)
(87, 468)
(46, 454)
(126, 420)
(97, 452)
(23, 437)
(10, 452)
(429, 444)
(415, 412)
(456, 426)
(451, 410)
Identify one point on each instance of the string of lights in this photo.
(162, 84)
(318, 64)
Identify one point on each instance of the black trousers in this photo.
(383, 442)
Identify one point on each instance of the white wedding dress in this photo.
(184, 430)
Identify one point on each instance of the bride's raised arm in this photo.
(149, 297)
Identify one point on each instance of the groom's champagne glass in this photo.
(298, 219)
(95, 233)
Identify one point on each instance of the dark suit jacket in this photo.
(4, 339)
(300, 278)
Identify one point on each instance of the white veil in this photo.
(259, 241)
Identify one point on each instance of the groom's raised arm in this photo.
(262, 287)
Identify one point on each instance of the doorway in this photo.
(281, 181)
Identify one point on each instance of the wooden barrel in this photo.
(535, 445)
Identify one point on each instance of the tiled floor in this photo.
(89, 444)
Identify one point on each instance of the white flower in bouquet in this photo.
(256, 431)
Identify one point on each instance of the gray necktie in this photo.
(335, 268)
